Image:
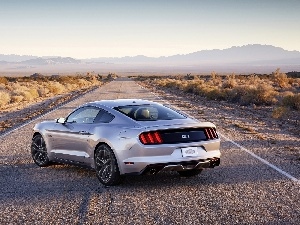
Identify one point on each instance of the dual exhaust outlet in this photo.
(209, 163)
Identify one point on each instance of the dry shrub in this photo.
(34, 93)
(281, 79)
(3, 80)
(288, 103)
(111, 76)
(202, 90)
(28, 89)
(253, 80)
(82, 83)
(66, 79)
(2, 87)
(17, 98)
(159, 82)
(70, 87)
(191, 77)
(27, 96)
(292, 101)
(286, 93)
(235, 94)
(216, 80)
(279, 112)
(31, 84)
(169, 83)
(55, 87)
(217, 94)
(230, 82)
(16, 87)
(92, 78)
(22, 90)
(259, 95)
(4, 98)
(253, 91)
(9, 88)
(191, 86)
(213, 75)
(43, 91)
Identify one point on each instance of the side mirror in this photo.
(61, 120)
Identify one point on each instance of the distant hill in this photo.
(242, 54)
(16, 58)
(254, 58)
(34, 60)
(51, 61)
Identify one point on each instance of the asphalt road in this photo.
(243, 190)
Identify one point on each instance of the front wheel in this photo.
(39, 151)
(106, 166)
(189, 173)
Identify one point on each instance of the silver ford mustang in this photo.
(127, 136)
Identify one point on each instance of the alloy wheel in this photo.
(39, 151)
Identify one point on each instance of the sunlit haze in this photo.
(94, 28)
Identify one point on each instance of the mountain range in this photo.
(245, 59)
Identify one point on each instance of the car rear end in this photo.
(177, 147)
(163, 139)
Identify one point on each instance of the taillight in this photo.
(210, 133)
(149, 138)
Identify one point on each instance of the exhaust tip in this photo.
(214, 162)
(153, 172)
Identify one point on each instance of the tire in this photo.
(189, 173)
(39, 152)
(106, 166)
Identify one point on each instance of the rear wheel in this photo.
(106, 166)
(189, 173)
(39, 151)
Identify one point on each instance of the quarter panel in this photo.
(119, 138)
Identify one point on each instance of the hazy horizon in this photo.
(142, 55)
(91, 29)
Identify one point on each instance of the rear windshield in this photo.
(149, 112)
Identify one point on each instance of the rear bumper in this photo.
(181, 166)
(154, 165)
(173, 160)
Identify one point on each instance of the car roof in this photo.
(120, 102)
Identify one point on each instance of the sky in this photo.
(116, 28)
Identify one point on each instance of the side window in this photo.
(83, 115)
(104, 117)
